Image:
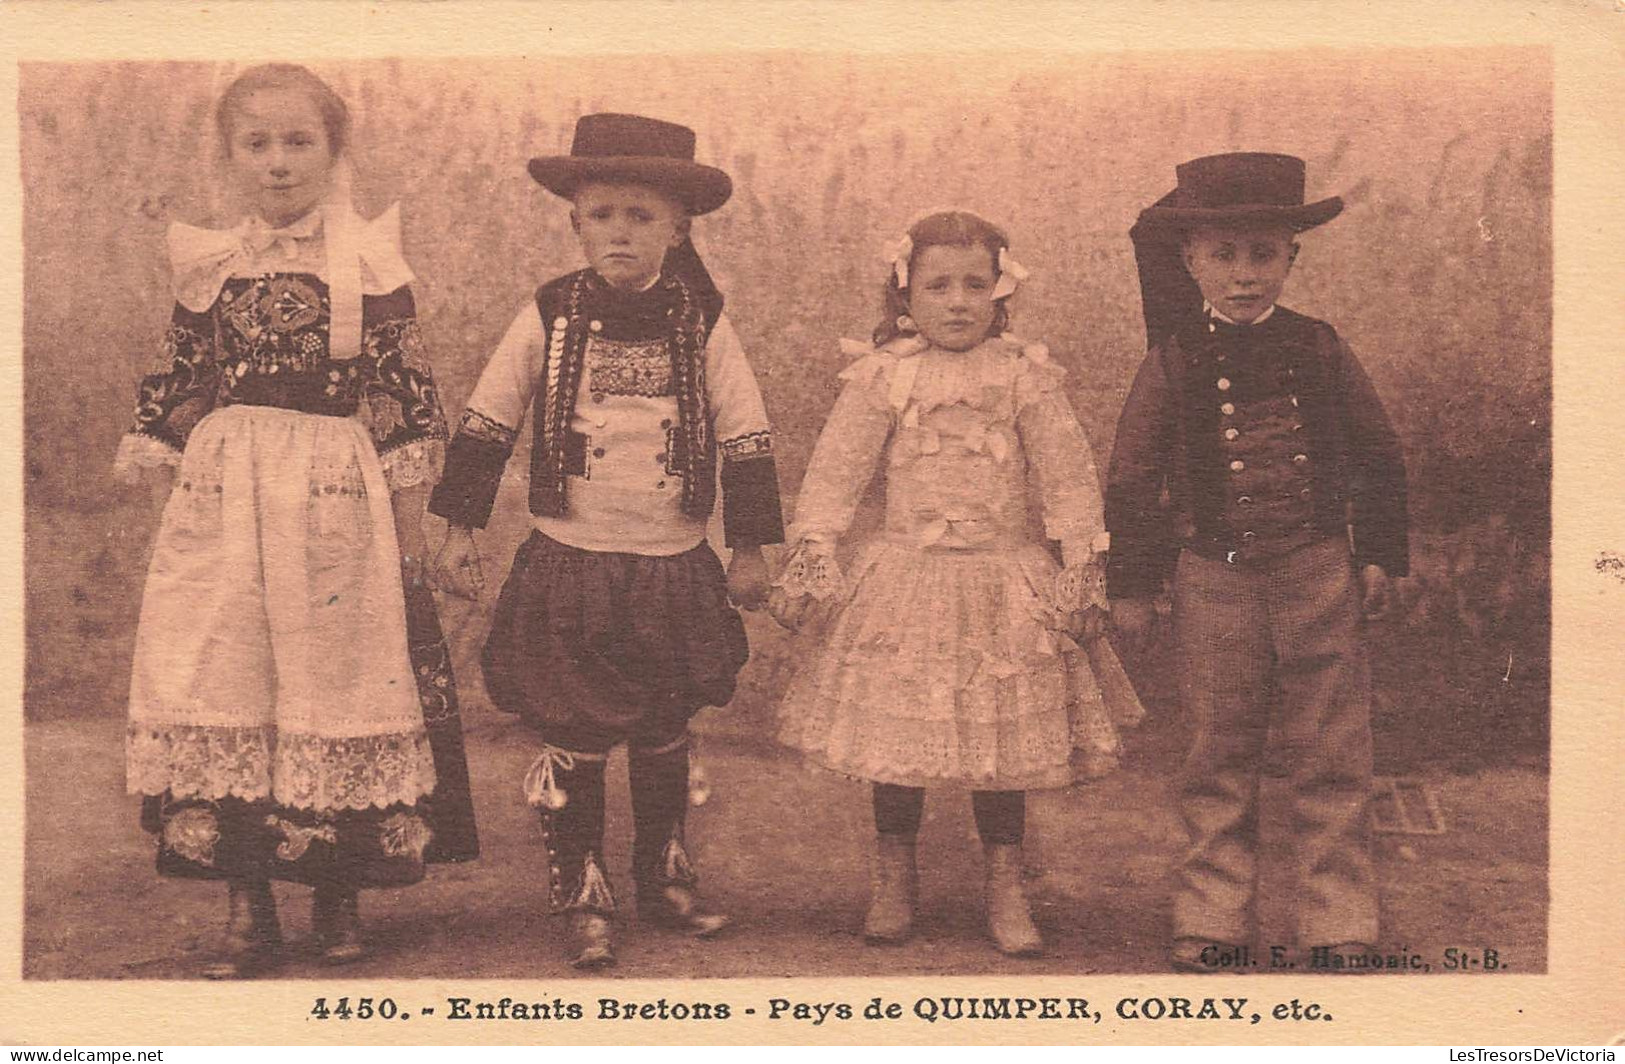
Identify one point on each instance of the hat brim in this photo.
(699, 188)
(1299, 218)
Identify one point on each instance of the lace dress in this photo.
(277, 718)
(944, 660)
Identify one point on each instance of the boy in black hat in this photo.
(1285, 517)
(616, 623)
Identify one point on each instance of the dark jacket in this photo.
(1166, 485)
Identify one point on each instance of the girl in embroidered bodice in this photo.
(291, 701)
(954, 650)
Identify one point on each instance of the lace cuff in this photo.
(138, 451)
(1081, 586)
(411, 464)
(812, 570)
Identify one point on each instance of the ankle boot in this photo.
(1009, 921)
(336, 917)
(668, 895)
(894, 891)
(253, 937)
(567, 789)
(667, 886)
(590, 912)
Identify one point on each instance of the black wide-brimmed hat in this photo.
(643, 151)
(1241, 188)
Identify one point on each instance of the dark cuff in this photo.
(468, 488)
(1391, 552)
(751, 513)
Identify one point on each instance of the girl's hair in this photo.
(335, 115)
(951, 229)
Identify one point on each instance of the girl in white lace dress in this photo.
(289, 717)
(954, 650)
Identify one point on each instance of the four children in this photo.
(267, 719)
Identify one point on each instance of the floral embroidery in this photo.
(192, 833)
(290, 304)
(619, 368)
(404, 835)
(296, 838)
(432, 664)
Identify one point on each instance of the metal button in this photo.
(1220, 356)
(1300, 458)
(1297, 428)
(1294, 400)
(1212, 327)
(596, 326)
(1224, 384)
(598, 452)
(597, 397)
(1227, 409)
(1248, 537)
(1237, 466)
(1231, 434)
(1245, 500)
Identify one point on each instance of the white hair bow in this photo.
(1011, 274)
(896, 256)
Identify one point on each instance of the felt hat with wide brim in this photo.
(638, 150)
(1240, 189)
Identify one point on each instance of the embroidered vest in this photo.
(580, 305)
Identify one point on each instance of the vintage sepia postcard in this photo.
(928, 522)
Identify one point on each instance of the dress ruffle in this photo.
(943, 668)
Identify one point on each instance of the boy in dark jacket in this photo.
(1256, 472)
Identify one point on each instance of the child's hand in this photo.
(1134, 619)
(747, 578)
(1087, 625)
(456, 569)
(796, 612)
(1376, 593)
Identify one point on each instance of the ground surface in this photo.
(784, 849)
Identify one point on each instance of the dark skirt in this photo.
(594, 642)
(233, 838)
